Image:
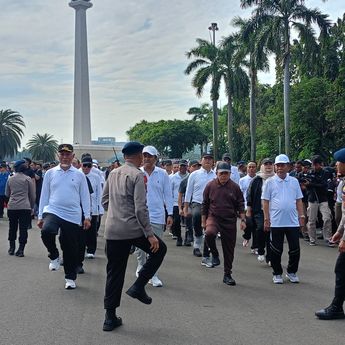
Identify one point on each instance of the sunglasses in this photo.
(88, 165)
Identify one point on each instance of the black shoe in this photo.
(228, 280)
(187, 243)
(80, 270)
(20, 253)
(215, 261)
(179, 242)
(111, 324)
(11, 251)
(320, 237)
(139, 293)
(330, 313)
(197, 252)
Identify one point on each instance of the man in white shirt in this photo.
(197, 182)
(65, 196)
(158, 195)
(175, 185)
(283, 215)
(235, 175)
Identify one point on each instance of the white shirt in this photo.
(158, 194)
(99, 173)
(244, 184)
(96, 196)
(197, 182)
(65, 194)
(235, 175)
(340, 191)
(175, 185)
(282, 196)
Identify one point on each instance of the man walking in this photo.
(65, 196)
(127, 224)
(222, 203)
(283, 215)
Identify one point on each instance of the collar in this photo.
(69, 169)
(205, 171)
(286, 179)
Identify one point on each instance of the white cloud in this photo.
(136, 58)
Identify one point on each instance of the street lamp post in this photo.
(214, 28)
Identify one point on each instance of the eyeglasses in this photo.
(88, 165)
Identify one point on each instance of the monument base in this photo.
(104, 154)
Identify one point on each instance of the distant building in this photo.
(109, 141)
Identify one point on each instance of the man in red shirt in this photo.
(222, 204)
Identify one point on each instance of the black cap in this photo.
(223, 166)
(168, 162)
(267, 160)
(207, 154)
(226, 156)
(183, 162)
(65, 148)
(194, 162)
(86, 160)
(339, 156)
(132, 147)
(241, 163)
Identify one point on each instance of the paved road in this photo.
(193, 307)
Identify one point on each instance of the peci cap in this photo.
(65, 148)
(267, 160)
(282, 159)
(339, 156)
(226, 156)
(223, 166)
(183, 162)
(194, 162)
(151, 150)
(132, 147)
(207, 154)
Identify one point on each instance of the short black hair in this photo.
(317, 160)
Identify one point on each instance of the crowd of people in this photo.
(145, 196)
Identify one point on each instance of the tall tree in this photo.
(206, 67)
(282, 16)
(42, 147)
(11, 132)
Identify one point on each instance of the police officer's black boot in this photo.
(20, 251)
(12, 248)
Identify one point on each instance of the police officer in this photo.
(127, 224)
(335, 309)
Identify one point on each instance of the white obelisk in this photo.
(82, 121)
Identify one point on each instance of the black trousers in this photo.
(68, 240)
(277, 245)
(3, 199)
(117, 252)
(176, 227)
(263, 237)
(91, 236)
(339, 293)
(81, 245)
(19, 218)
(250, 232)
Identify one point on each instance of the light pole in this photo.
(214, 28)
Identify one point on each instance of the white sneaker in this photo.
(139, 267)
(261, 258)
(70, 284)
(90, 256)
(54, 264)
(292, 277)
(156, 282)
(254, 251)
(278, 279)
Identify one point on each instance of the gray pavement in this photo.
(193, 307)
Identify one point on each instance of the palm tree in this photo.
(206, 66)
(42, 147)
(11, 132)
(252, 43)
(281, 17)
(199, 113)
(235, 80)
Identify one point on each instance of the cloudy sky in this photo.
(136, 60)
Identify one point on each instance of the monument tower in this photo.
(82, 121)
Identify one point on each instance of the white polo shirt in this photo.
(175, 185)
(235, 175)
(65, 194)
(282, 196)
(158, 194)
(197, 182)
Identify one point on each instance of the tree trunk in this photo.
(215, 129)
(252, 110)
(230, 127)
(287, 104)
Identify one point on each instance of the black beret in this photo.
(132, 147)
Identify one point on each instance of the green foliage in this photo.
(42, 147)
(172, 138)
(11, 132)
